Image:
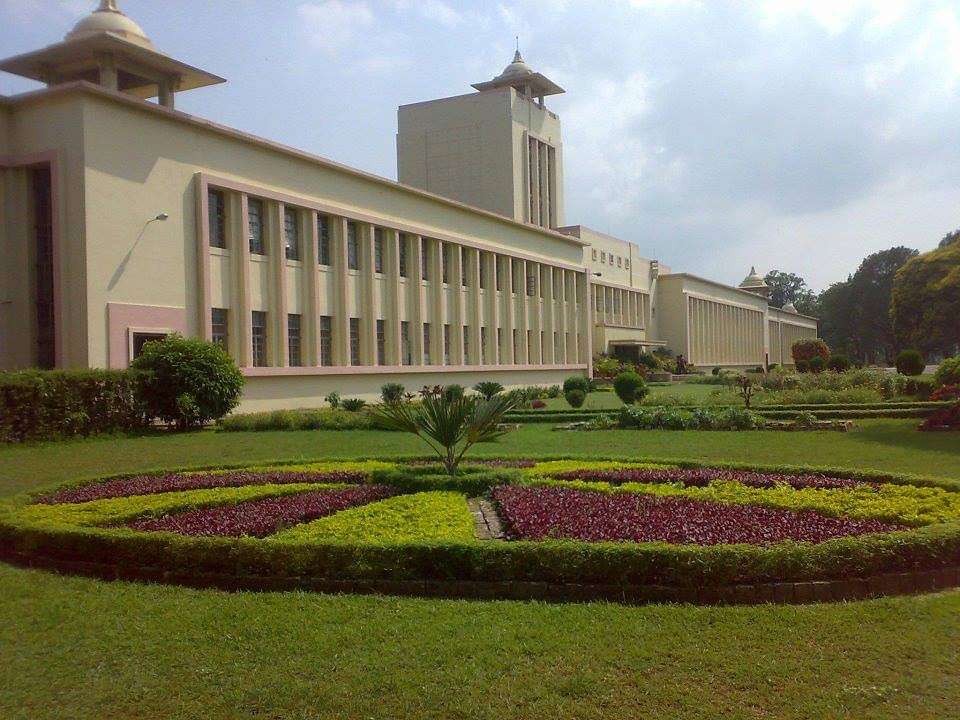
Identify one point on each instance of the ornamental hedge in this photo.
(916, 527)
(51, 404)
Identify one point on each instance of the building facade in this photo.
(125, 220)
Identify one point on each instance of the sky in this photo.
(798, 135)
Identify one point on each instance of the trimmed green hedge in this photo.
(471, 480)
(928, 547)
(51, 404)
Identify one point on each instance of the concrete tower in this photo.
(499, 148)
(755, 284)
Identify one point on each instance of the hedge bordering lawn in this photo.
(496, 568)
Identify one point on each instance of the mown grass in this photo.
(77, 648)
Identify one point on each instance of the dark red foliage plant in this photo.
(701, 477)
(543, 513)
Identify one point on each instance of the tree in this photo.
(950, 238)
(790, 288)
(925, 303)
(855, 314)
(450, 423)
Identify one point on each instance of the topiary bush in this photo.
(910, 362)
(949, 372)
(575, 397)
(839, 363)
(187, 382)
(576, 382)
(809, 349)
(629, 387)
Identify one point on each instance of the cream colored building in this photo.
(124, 219)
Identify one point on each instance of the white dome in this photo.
(753, 280)
(108, 19)
(517, 68)
(790, 307)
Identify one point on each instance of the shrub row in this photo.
(853, 414)
(296, 420)
(40, 405)
(930, 547)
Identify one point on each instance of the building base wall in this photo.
(290, 392)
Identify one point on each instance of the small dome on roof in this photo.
(516, 68)
(790, 308)
(753, 280)
(108, 19)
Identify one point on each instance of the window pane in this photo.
(381, 343)
(446, 344)
(378, 250)
(216, 209)
(424, 260)
(255, 223)
(323, 239)
(403, 256)
(355, 341)
(445, 262)
(218, 323)
(426, 343)
(405, 349)
(258, 337)
(466, 344)
(326, 340)
(353, 247)
(463, 266)
(291, 233)
(293, 341)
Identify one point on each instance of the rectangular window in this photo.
(445, 262)
(619, 261)
(255, 226)
(463, 266)
(323, 240)
(626, 264)
(499, 356)
(294, 354)
(326, 340)
(402, 256)
(446, 344)
(217, 215)
(381, 343)
(291, 233)
(218, 323)
(531, 285)
(406, 350)
(516, 346)
(258, 337)
(530, 357)
(426, 343)
(353, 247)
(355, 341)
(498, 272)
(466, 344)
(603, 258)
(593, 254)
(484, 358)
(378, 250)
(424, 260)
(482, 278)
(557, 348)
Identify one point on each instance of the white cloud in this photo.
(333, 25)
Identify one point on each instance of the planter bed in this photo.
(651, 532)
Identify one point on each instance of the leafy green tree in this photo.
(950, 238)
(790, 288)
(925, 303)
(855, 314)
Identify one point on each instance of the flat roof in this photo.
(83, 86)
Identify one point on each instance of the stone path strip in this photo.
(486, 521)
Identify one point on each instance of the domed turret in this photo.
(517, 68)
(522, 78)
(755, 284)
(790, 308)
(109, 19)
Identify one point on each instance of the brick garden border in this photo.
(781, 593)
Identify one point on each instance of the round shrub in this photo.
(839, 363)
(809, 349)
(629, 387)
(575, 397)
(949, 372)
(453, 392)
(817, 364)
(187, 381)
(333, 400)
(803, 366)
(648, 361)
(577, 382)
(715, 371)
(353, 404)
(392, 393)
(910, 362)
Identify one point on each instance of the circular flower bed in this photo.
(504, 528)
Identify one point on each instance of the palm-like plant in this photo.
(449, 425)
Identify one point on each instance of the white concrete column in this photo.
(507, 356)
(416, 291)
(549, 345)
(368, 312)
(437, 315)
(242, 320)
(561, 318)
(455, 312)
(278, 261)
(311, 277)
(392, 302)
(491, 307)
(475, 307)
(523, 317)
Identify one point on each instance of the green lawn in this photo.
(77, 648)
